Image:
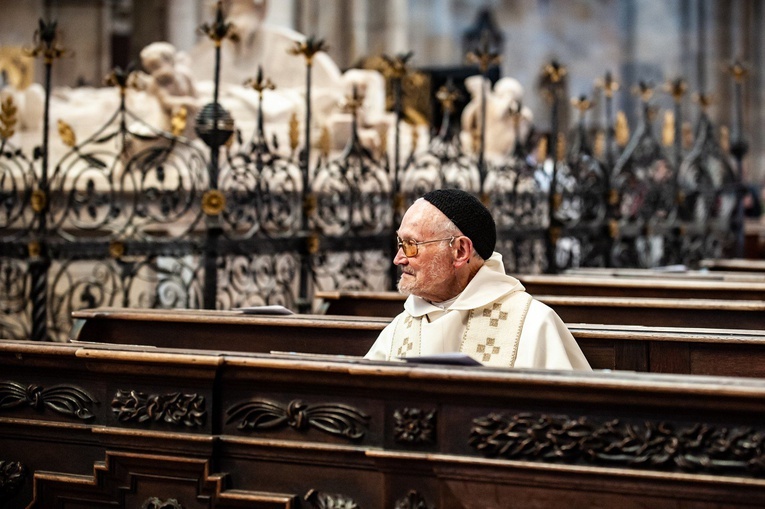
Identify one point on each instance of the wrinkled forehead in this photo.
(420, 220)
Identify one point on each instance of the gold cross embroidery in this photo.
(494, 319)
(483, 349)
(406, 347)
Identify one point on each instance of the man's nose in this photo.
(400, 259)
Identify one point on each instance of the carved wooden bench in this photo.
(143, 427)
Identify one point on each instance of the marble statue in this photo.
(169, 80)
(503, 102)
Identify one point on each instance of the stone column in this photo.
(182, 23)
(398, 24)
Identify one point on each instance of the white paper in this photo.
(265, 310)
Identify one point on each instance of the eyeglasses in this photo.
(410, 247)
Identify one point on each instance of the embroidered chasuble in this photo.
(493, 320)
(491, 334)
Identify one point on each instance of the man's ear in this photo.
(463, 251)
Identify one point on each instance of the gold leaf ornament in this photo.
(34, 248)
(66, 133)
(7, 117)
(668, 129)
(213, 202)
(178, 121)
(622, 129)
(38, 200)
(116, 249)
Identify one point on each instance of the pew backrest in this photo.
(648, 311)
(728, 352)
(651, 287)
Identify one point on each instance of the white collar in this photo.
(489, 284)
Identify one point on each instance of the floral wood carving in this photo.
(155, 503)
(320, 500)
(412, 500)
(173, 408)
(65, 400)
(12, 477)
(332, 418)
(661, 445)
(414, 426)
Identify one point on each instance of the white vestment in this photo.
(544, 341)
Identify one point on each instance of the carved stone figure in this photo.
(170, 81)
(503, 103)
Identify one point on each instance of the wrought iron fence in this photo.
(137, 217)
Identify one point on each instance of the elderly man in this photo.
(461, 300)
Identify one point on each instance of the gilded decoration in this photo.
(309, 48)
(8, 119)
(219, 30)
(116, 249)
(66, 133)
(313, 243)
(46, 45)
(213, 202)
(34, 249)
(38, 200)
(17, 66)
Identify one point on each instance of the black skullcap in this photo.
(469, 215)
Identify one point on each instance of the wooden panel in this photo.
(669, 357)
(740, 314)
(631, 355)
(650, 287)
(710, 359)
(304, 433)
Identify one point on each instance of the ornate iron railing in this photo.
(137, 217)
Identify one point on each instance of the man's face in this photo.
(429, 274)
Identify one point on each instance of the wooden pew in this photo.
(227, 330)
(736, 264)
(652, 287)
(615, 347)
(704, 313)
(96, 426)
(683, 275)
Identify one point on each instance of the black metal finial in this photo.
(45, 42)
